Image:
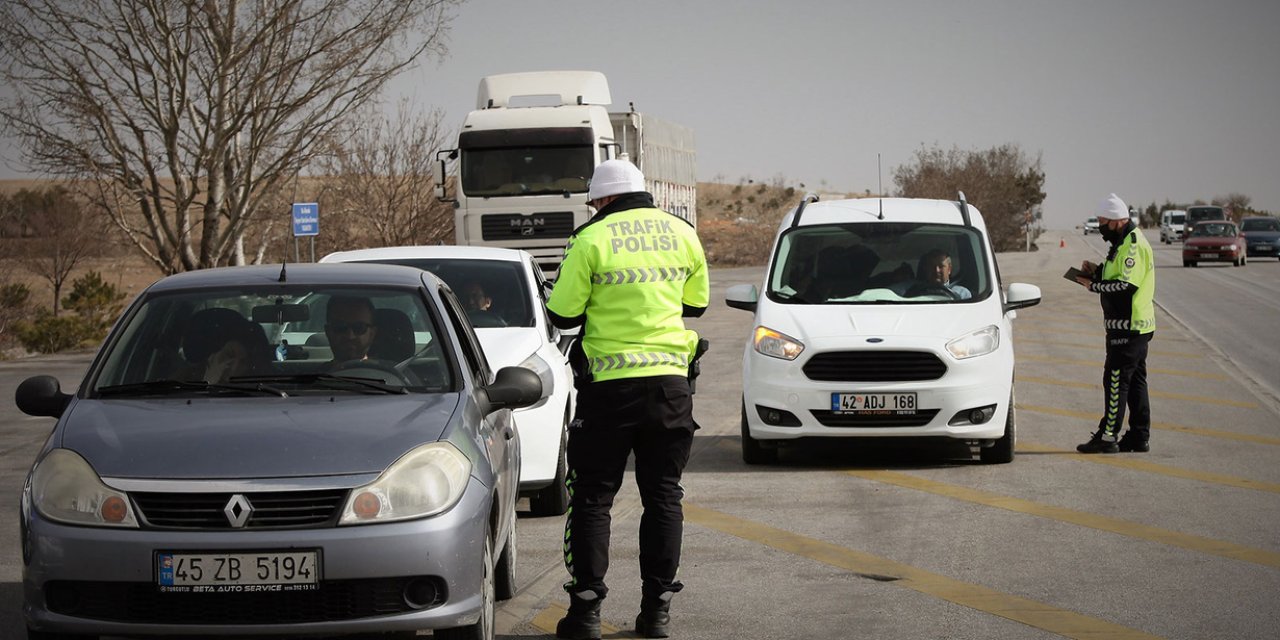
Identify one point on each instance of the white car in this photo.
(1090, 226)
(514, 331)
(864, 330)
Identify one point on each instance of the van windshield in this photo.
(1197, 214)
(879, 263)
(1177, 218)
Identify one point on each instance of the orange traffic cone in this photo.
(1062, 244)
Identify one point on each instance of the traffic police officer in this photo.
(1126, 283)
(629, 277)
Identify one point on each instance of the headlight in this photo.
(978, 343)
(423, 482)
(66, 489)
(536, 364)
(777, 345)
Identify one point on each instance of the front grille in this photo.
(143, 602)
(535, 226)
(270, 510)
(829, 419)
(874, 366)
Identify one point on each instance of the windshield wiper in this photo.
(331, 381)
(167, 386)
(792, 297)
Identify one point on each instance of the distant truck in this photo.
(522, 171)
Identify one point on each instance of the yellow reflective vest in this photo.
(631, 272)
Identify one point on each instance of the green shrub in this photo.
(50, 334)
(96, 302)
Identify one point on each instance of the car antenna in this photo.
(964, 209)
(880, 186)
(808, 197)
(282, 273)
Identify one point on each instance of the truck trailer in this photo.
(526, 153)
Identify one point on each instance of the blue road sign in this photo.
(306, 219)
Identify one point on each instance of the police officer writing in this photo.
(629, 277)
(1126, 284)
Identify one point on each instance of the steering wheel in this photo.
(400, 376)
(930, 288)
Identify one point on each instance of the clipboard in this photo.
(1074, 273)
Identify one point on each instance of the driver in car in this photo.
(933, 272)
(349, 325)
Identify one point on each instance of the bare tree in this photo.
(1002, 182)
(379, 179)
(184, 115)
(63, 234)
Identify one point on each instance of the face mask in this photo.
(1109, 234)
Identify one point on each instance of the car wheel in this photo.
(752, 451)
(553, 500)
(483, 628)
(1001, 451)
(1191, 263)
(32, 634)
(505, 584)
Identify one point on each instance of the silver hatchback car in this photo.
(210, 478)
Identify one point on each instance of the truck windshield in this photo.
(880, 263)
(515, 171)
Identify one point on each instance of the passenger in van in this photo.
(933, 272)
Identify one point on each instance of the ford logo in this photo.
(875, 340)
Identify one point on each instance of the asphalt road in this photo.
(899, 540)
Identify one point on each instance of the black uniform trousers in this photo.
(1124, 384)
(652, 417)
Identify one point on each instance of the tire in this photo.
(505, 584)
(553, 499)
(752, 451)
(483, 628)
(1001, 452)
(1186, 263)
(1192, 263)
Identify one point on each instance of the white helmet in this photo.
(615, 177)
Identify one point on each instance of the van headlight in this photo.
(64, 488)
(776, 345)
(978, 343)
(536, 364)
(426, 481)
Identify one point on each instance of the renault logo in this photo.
(237, 511)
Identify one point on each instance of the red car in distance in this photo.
(1214, 241)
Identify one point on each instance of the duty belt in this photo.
(634, 360)
(641, 274)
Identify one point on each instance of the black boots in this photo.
(1133, 443)
(583, 620)
(654, 620)
(1099, 443)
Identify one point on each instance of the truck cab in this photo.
(526, 154)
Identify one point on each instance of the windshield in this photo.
(288, 340)
(1213, 230)
(879, 263)
(1261, 224)
(495, 293)
(1177, 218)
(1196, 214)
(514, 171)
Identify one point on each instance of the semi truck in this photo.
(525, 155)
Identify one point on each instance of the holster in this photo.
(579, 364)
(695, 368)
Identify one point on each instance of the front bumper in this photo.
(1211, 255)
(969, 384)
(1264, 249)
(103, 581)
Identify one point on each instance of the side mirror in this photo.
(1021, 296)
(513, 388)
(742, 296)
(41, 396)
(438, 172)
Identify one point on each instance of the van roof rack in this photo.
(808, 197)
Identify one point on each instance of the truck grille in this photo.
(515, 226)
(874, 366)
(274, 510)
(829, 419)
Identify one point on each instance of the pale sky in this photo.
(1150, 99)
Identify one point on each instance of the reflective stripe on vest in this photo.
(641, 274)
(635, 360)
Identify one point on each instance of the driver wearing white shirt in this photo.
(934, 271)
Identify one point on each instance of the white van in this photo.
(1172, 225)
(862, 329)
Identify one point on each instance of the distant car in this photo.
(1090, 226)
(514, 331)
(276, 495)
(1262, 235)
(1172, 225)
(1214, 241)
